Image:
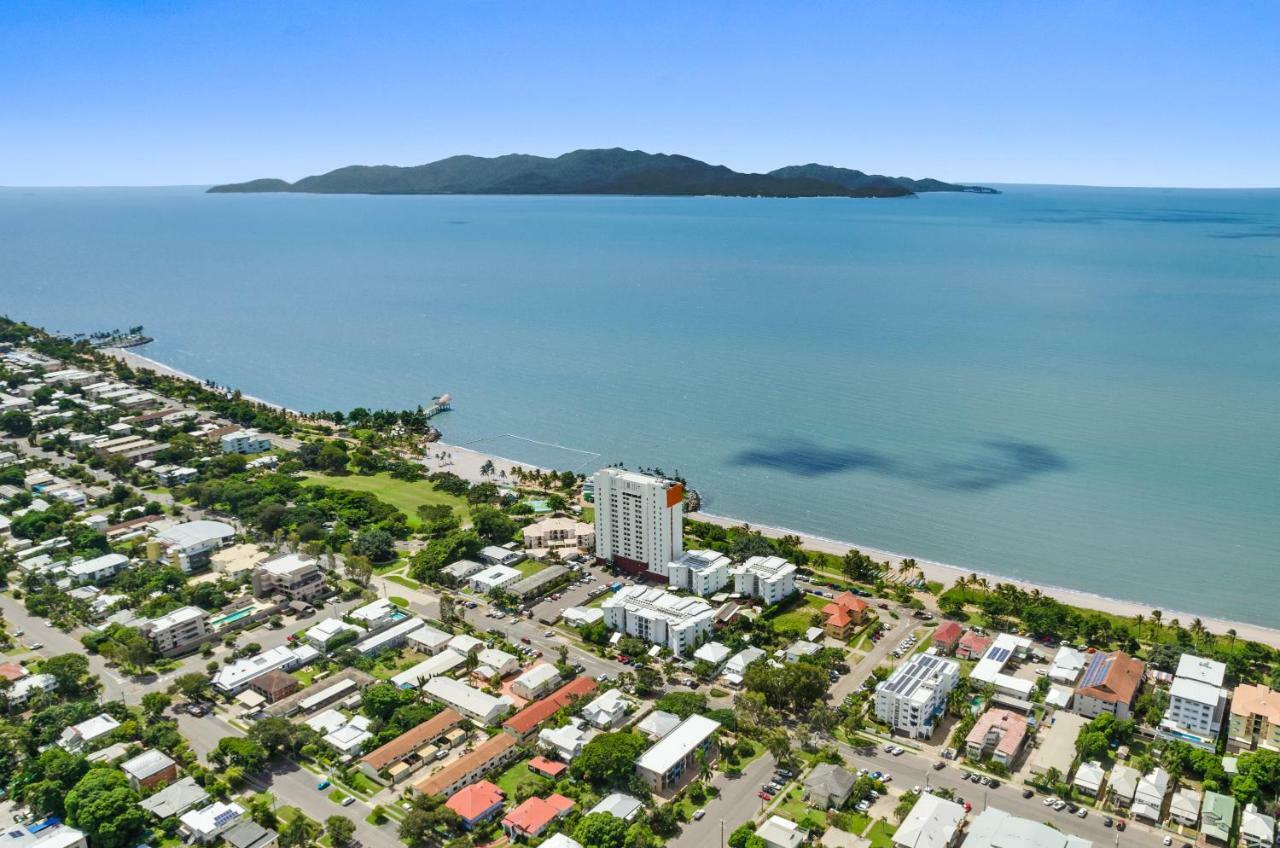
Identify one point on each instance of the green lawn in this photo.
(337, 796)
(404, 496)
(881, 834)
(528, 567)
(511, 779)
(794, 807)
(588, 515)
(404, 581)
(403, 603)
(796, 620)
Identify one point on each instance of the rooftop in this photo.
(1250, 699)
(539, 711)
(677, 744)
(932, 823)
(467, 764)
(146, 764)
(1112, 678)
(1203, 670)
(196, 533)
(994, 828)
(471, 802)
(411, 740)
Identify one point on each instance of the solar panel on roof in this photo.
(1097, 671)
(223, 817)
(998, 654)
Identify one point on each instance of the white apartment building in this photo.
(97, 569)
(245, 441)
(178, 631)
(915, 695)
(769, 578)
(296, 576)
(661, 617)
(700, 572)
(1197, 702)
(639, 521)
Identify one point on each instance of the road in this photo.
(736, 804)
(910, 770)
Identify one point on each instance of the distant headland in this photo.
(612, 171)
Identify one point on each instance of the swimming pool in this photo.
(230, 617)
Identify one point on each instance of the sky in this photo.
(165, 92)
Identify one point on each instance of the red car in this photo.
(623, 658)
(764, 796)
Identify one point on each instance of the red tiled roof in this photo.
(400, 747)
(1009, 727)
(525, 721)
(1122, 678)
(475, 800)
(947, 632)
(975, 643)
(12, 671)
(851, 602)
(550, 768)
(535, 814)
(838, 616)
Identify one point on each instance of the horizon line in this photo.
(989, 183)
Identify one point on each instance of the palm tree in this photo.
(1156, 616)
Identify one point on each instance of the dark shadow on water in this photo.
(988, 465)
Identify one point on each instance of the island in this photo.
(603, 171)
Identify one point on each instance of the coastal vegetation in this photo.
(612, 171)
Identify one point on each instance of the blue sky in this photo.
(140, 93)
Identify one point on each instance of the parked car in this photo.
(1107, 821)
(1027, 793)
(939, 765)
(322, 785)
(1083, 812)
(698, 814)
(348, 801)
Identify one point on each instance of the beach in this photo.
(468, 462)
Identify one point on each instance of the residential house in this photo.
(947, 637)
(175, 799)
(994, 828)
(532, 818)
(1067, 665)
(736, 667)
(274, 685)
(1148, 800)
(1122, 786)
(973, 645)
(566, 741)
(998, 735)
(189, 545)
(247, 833)
(206, 825)
(621, 806)
(1217, 818)
(477, 803)
(1110, 685)
(1056, 747)
(149, 768)
(658, 724)
(828, 786)
(494, 577)
(844, 615)
(1184, 806)
(1257, 830)
(496, 555)
(535, 682)
(1089, 778)
(325, 632)
(777, 832)
(607, 711)
(932, 823)
(75, 737)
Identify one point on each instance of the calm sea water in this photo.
(1074, 386)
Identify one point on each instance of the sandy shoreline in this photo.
(467, 462)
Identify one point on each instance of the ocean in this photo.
(1074, 386)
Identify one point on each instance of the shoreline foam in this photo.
(469, 460)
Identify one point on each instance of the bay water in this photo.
(1074, 386)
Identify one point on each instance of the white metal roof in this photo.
(677, 744)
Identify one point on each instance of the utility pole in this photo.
(721, 833)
